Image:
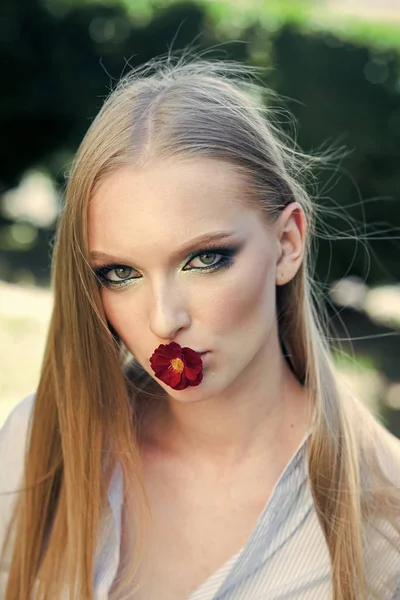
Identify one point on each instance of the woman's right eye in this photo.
(120, 273)
(114, 275)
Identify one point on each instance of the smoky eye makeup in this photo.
(120, 276)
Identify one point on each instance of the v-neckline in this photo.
(208, 589)
(105, 573)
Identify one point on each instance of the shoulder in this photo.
(382, 532)
(13, 440)
(387, 448)
(13, 436)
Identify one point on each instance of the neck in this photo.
(267, 411)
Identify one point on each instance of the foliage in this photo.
(309, 15)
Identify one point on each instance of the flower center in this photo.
(177, 365)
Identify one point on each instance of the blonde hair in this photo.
(85, 416)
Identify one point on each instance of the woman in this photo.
(188, 438)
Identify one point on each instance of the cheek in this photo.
(119, 313)
(246, 303)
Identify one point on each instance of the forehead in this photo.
(167, 203)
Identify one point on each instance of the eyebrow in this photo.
(97, 256)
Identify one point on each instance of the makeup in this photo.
(118, 275)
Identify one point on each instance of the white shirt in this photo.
(285, 558)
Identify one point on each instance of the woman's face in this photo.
(163, 285)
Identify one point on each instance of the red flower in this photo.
(176, 366)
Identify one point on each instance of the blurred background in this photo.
(336, 66)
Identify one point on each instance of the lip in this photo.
(204, 356)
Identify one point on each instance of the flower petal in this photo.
(162, 365)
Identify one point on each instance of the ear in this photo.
(291, 230)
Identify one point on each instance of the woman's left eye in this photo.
(121, 275)
(207, 257)
(206, 254)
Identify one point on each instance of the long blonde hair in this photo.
(85, 417)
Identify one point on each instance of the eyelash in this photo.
(226, 261)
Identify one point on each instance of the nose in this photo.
(169, 312)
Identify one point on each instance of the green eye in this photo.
(117, 276)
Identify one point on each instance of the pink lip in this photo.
(204, 356)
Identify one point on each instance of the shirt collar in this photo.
(288, 505)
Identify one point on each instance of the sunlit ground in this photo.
(24, 318)
(25, 313)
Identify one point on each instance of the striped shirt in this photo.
(285, 558)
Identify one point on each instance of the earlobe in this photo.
(280, 279)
